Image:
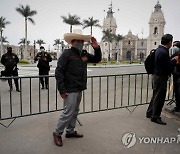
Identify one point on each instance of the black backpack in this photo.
(150, 62)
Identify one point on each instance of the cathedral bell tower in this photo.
(110, 22)
(156, 28)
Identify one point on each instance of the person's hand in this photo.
(94, 43)
(84, 58)
(64, 95)
(177, 59)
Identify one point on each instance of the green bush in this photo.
(24, 61)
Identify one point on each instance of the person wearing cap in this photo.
(176, 76)
(71, 77)
(43, 59)
(10, 61)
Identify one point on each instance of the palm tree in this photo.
(71, 20)
(109, 37)
(3, 24)
(22, 43)
(90, 23)
(4, 40)
(40, 42)
(118, 37)
(26, 12)
(58, 42)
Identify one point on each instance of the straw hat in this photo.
(76, 35)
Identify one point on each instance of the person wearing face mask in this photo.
(43, 59)
(71, 77)
(176, 76)
(10, 61)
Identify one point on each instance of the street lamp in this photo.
(34, 50)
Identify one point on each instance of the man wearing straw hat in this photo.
(71, 77)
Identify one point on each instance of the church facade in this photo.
(131, 47)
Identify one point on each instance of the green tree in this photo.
(58, 42)
(108, 37)
(22, 47)
(71, 20)
(27, 13)
(23, 42)
(118, 37)
(90, 23)
(40, 42)
(3, 24)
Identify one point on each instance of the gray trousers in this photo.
(159, 94)
(69, 116)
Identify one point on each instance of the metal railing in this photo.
(105, 92)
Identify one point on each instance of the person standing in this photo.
(10, 61)
(176, 76)
(71, 77)
(163, 68)
(43, 59)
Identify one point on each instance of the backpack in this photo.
(150, 62)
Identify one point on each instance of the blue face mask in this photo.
(175, 49)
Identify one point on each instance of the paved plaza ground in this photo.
(103, 132)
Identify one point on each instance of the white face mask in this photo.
(79, 46)
(42, 50)
(175, 49)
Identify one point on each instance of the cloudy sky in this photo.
(132, 15)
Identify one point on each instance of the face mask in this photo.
(9, 51)
(175, 49)
(79, 46)
(42, 50)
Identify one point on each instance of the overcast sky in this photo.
(133, 15)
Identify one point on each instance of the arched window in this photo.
(155, 30)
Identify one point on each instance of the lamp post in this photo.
(62, 46)
(34, 49)
(2, 52)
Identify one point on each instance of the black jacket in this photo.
(177, 67)
(10, 61)
(71, 71)
(43, 59)
(163, 64)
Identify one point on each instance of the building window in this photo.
(155, 30)
(155, 43)
(142, 43)
(105, 44)
(129, 42)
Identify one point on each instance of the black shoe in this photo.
(74, 135)
(158, 121)
(46, 87)
(176, 109)
(18, 90)
(148, 116)
(42, 88)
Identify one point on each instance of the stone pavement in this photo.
(103, 132)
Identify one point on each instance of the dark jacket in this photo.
(71, 71)
(163, 64)
(43, 59)
(10, 61)
(176, 71)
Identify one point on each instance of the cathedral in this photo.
(131, 47)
